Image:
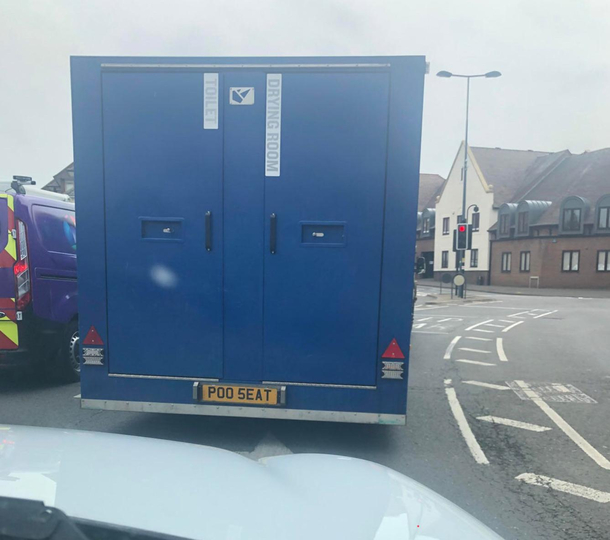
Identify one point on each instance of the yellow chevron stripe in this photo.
(9, 329)
(10, 201)
(11, 247)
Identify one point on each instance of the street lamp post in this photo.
(463, 217)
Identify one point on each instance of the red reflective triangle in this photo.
(393, 351)
(93, 338)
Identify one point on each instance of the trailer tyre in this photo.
(69, 354)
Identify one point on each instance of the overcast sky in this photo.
(554, 56)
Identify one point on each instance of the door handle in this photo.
(272, 233)
(208, 231)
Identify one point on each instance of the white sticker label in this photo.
(241, 96)
(273, 124)
(210, 101)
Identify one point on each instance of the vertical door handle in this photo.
(272, 233)
(208, 231)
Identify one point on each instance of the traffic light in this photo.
(462, 237)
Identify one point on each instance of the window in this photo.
(57, 228)
(474, 258)
(603, 218)
(445, 259)
(522, 222)
(425, 228)
(445, 225)
(603, 261)
(571, 219)
(569, 261)
(505, 224)
(524, 261)
(475, 221)
(506, 261)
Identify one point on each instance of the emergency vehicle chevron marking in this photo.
(9, 254)
(8, 335)
(7, 303)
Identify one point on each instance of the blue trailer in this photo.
(247, 234)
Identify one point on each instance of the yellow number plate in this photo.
(253, 395)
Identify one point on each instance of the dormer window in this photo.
(505, 224)
(572, 216)
(571, 219)
(604, 218)
(425, 228)
(522, 222)
(603, 214)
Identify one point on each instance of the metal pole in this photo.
(466, 150)
(462, 253)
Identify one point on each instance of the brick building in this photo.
(555, 229)
(430, 186)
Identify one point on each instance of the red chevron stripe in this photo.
(7, 303)
(6, 261)
(6, 343)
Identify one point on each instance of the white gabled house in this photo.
(494, 174)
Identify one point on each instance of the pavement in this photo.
(508, 414)
(519, 291)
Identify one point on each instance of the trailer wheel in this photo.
(69, 354)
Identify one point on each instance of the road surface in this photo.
(508, 415)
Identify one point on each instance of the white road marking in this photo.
(565, 427)
(419, 325)
(448, 319)
(545, 314)
(487, 385)
(552, 392)
(566, 487)
(439, 326)
(504, 320)
(500, 349)
(516, 315)
(447, 355)
(478, 324)
(513, 423)
(77, 396)
(481, 330)
(478, 338)
(472, 443)
(424, 332)
(474, 350)
(512, 326)
(475, 362)
(424, 319)
(447, 382)
(496, 325)
(495, 307)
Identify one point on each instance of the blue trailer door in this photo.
(193, 288)
(322, 281)
(163, 199)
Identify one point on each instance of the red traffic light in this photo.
(462, 228)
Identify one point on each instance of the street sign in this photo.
(459, 280)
